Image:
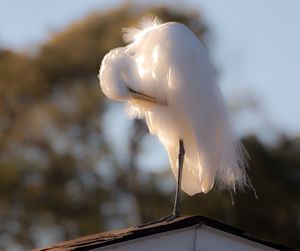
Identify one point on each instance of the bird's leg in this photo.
(176, 209)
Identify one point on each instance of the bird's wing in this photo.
(207, 129)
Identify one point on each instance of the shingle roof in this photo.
(118, 236)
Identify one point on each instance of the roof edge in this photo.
(126, 234)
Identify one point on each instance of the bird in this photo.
(165, 76)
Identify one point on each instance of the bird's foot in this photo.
(167, 218)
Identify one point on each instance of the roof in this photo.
(126, 234)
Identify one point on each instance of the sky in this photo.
(255, 47)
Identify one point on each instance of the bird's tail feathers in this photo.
(232, 175)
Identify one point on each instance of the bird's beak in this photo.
(138, 95)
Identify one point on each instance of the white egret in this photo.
(164, 74)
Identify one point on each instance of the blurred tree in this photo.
(60, 174)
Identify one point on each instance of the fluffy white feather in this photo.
(168, 62)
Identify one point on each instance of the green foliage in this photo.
(61, 177)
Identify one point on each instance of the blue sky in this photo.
(256, 47)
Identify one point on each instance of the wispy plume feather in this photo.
(146, 23)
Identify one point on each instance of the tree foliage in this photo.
(60, 175)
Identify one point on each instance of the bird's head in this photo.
(113, 74)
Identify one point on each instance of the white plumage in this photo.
(169, 63)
